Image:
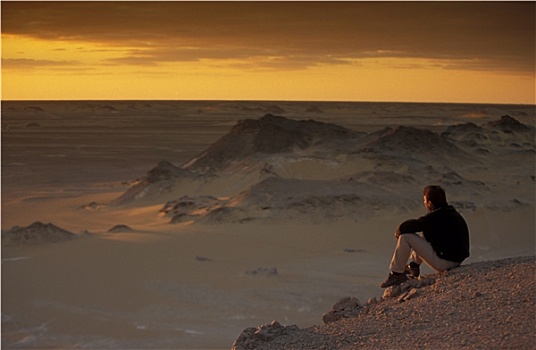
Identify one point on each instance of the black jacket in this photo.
(445, 229)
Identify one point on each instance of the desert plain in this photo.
(177, 224)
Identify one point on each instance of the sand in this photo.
(279, 233)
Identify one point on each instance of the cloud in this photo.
(289, 35)
(249, 58)
(25, 63)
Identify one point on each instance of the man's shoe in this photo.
(394, 279)
(412, 270)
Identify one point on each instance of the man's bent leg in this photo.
(403, 251)
(415, 257)
(423, 251)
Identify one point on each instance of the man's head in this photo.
(434, 197)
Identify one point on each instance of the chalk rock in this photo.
(263, 271)
(392, 292)
(408, 295)
(344, 308)
(120, 228)
(36, 233)
(250, 337)
(508, 124)
(164, 171)
(267, 135)
(411, 286)
(189, 208)
(372, 300)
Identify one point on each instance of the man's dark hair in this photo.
(436, 195)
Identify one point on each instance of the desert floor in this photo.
(199, 284)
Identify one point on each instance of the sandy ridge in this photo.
(262, 170)
(486, 305)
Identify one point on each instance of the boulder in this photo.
(344, 308)
(263, 333)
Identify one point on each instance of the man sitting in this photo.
(444, 243)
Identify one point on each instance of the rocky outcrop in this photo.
(285, 199)
(480, 305)
(120, 229)
(408, 289)
(158, 180)
(496, 137)
(267, 135)
(345, 307)
(266, 332)
(275, 168)
(252, 338)
(412, 141)
(189, 208)
(507, 124)
(36, 233)
(164, 171)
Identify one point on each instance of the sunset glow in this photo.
(354, 51)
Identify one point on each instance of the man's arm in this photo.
(409, 226)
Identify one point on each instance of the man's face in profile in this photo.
(427, 204)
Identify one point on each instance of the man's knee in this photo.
(408, 236)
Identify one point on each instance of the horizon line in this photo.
(269, 100)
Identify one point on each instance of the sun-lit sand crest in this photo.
(268, 218)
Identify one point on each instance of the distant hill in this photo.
(276, 168)
(267, 135)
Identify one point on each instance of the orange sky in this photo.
(328, 51)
